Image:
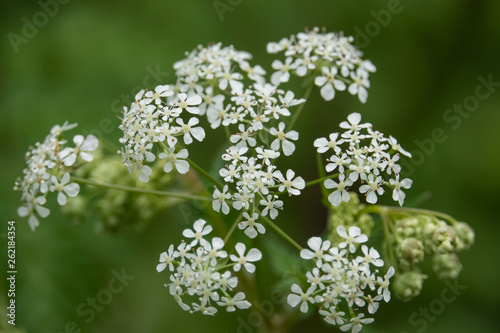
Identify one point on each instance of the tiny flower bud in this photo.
(408, 285)
(446, 266)
(465, 236)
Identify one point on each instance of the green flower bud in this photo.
(408, 227)
(446, 266)
(445, 239)
(411, 251)
(465, 236)
(408, 285)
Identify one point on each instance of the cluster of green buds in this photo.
(420, 235)
(114, 209)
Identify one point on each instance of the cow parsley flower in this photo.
(341, 63)
(199, 272)
(48, 167)
(340, 282)
(253, 255)
(365, 155)
(175, 160)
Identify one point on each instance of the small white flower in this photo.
(323, 144)
(332, 316)
(188, 103)
(252, 228)
(197, 132)
(199, 231)
(372, 188)
(238, 301)
(352, 123)
(230, 78)
(371, 257)
(160, 91)
(34, 204)
(283, 138)
(319, 250)
(398, 194)
(384, 284)
(283, 71)
(354, 236)
(290, 184)
(213, 250)
(358, 87)
(271, 205)
(235, 154)
(166, 259)
(356, 322)
(220, 200)
(177, 160)
(243, 199)
(243, 138)
(64, 187)
(396, 146)
(252, 256)
(340, 194)
(83, 148)
(266, 154)
(301, 297)
(329, 83)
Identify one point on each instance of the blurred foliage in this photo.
(91, 57)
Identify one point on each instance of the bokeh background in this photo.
(92, 56)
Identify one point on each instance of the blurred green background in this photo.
(91, 57)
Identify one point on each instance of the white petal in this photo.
(314, 243)
(182, 166)
(61, 198)
(90, 143)
(72, 189)
(254, 255)
(327, 92)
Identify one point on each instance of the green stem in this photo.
(300, 108)
(139, 190)
(281, 232)
(233, 227)
(204, 173)
(319, 180)
(443, 216)
(385, 221)
(402, 210)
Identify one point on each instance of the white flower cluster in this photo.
(159, 117)
(335, 63)
(371, 164)
(49, 164)
(221, 67)
(200, 271)
(339, 281)
(250, 161)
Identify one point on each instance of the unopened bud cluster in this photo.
(419, 236)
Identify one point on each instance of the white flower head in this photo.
(200, 230)
(64, 188)
(251, 227)
(354, 236)
(176, 160)
(253, 255)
